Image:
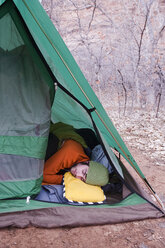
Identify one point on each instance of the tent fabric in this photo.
(50, 217)
(14, 205)
(30, 110)
(5, 42)
(20, 189)
(13, 34)
(12, 168)
(16, 179)
(25, 118)
(67, 111)
(33, 57)
(30, 146)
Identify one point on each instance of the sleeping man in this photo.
(71, 156)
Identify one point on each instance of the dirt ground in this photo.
(148, 233)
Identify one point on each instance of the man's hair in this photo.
(85, 163)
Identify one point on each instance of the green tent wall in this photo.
(28, 36)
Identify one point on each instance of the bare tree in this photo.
(161, 85)
(118, 44)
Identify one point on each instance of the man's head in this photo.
(91, 172)
(80, 171)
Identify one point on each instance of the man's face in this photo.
(80, 171)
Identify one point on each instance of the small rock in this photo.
(162, 225)
(107, 233)
(145, 234)
(143, 246)
(162, 197)
(151, 238)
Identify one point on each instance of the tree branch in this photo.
(93, 13)
(125, 91)
(141, 37)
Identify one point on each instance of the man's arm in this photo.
(52, 179)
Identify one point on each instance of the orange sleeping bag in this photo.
(69, 154)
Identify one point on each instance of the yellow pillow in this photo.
(77, 190)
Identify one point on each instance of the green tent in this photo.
(40, 81)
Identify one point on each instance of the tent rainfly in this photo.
(33, 59)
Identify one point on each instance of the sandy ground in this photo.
(145, 139)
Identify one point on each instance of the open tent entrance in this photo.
(32, 58)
